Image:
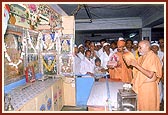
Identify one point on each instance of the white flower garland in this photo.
(38, 45)
(30, 41)
(24, 42)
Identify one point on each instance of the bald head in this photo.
(143, 47)
(145, 42)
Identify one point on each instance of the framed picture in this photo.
(33, 60)
(49, 42)
(66, 65)
(49, 64)
(66, 44)
(30, 75)
(13, 56)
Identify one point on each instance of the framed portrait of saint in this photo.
(30, 75)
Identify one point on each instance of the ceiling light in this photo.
(132, 35)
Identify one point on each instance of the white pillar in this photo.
(146, 34)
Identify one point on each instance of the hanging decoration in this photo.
(54, 18)
(32, 14)
(42, 14)
(39, 38)
(60, 33)
(30, 41)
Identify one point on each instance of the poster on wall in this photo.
(13, 56)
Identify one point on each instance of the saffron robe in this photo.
(147, 89)
(122, 71)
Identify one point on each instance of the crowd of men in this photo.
(144, 70)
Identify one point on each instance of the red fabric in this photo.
(26, 73)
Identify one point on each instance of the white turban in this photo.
(105, 44)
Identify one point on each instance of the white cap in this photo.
(155, 44)
(152, 42)
(120, 38)
(75, 45)
(80, 45)
(98, 43)
(135, 42)
(105, 44)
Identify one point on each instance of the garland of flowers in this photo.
(24, 42)
(38, 45)
(49, 68)
(30, 41)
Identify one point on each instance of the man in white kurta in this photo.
(160, 54)
(100, 51)
(77, 61)
(106, 55)
(87, 65)
(81, 51)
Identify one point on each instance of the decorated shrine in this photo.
(43, 69)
